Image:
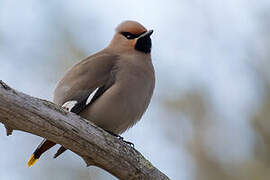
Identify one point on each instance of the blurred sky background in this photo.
(210, 114)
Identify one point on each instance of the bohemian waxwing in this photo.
(111, 88)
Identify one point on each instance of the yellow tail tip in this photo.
(32, 160)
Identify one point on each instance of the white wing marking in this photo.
(91, 96)
(69, 105)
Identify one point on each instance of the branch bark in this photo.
(19, 111)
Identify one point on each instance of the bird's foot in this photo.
(121, 138)
(128, 143)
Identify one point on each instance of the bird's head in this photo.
(131, 35)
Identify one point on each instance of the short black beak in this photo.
(147, 33)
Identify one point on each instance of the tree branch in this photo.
(19, 111)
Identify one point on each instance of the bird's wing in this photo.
(94, 74)
(83, 84)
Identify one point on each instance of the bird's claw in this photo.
(121, 138)
(128, 143)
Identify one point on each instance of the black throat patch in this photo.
(144, 44)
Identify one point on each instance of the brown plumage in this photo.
(119, 79)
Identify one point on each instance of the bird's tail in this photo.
(42, 147)
(59, 152)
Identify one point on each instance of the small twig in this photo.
(9, 130)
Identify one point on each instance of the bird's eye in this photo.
(129, 35)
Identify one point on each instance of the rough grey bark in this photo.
(19, 111)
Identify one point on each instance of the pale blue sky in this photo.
(196, 44)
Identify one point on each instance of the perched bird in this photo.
(111, 88)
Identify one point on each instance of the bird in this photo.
(112, 88)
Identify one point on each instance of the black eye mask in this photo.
(129, 35)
